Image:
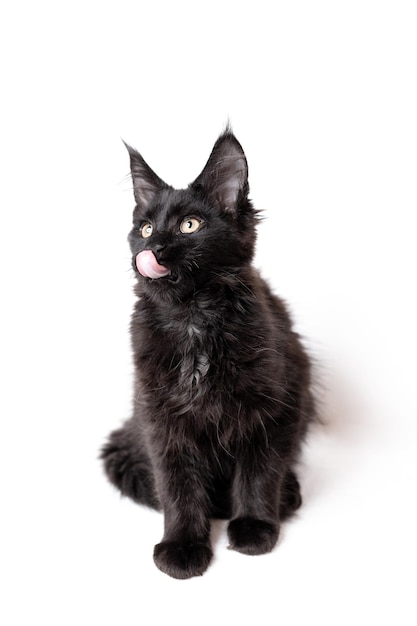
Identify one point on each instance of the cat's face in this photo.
(182, 238)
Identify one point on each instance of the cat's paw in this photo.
(182, 559)
(252, 536)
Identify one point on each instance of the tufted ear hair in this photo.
(225, 176)
(145, 182)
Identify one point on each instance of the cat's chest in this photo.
(191, 336)
(189, 326)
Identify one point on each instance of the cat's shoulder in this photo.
(272, 303)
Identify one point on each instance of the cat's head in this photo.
(183, 238)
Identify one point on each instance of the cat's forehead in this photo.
(174, 202)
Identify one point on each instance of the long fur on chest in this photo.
(215, 360)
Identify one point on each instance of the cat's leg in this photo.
(185, 549)
(128, 467)
(265, 489)
(254, 528)
(290, 495)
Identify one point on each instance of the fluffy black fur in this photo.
(222, 393)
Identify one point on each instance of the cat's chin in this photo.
(171, 279)
(170, 289)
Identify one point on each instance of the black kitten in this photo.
(222, 392)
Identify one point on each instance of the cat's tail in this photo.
(128, 467)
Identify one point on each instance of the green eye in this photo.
(146, 230)
(190, 225)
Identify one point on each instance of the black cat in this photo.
(222, 394)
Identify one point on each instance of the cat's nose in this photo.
(159, 251)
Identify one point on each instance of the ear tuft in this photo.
(225, 175)
(145, 182)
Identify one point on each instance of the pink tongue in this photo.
(149, 267)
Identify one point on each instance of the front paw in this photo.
(182, 559)
(252, 536)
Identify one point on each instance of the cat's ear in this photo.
(145, 182)
(225, 176)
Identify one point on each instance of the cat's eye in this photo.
(146, 230)
(190, 225)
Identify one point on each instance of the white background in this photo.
(323, 97)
